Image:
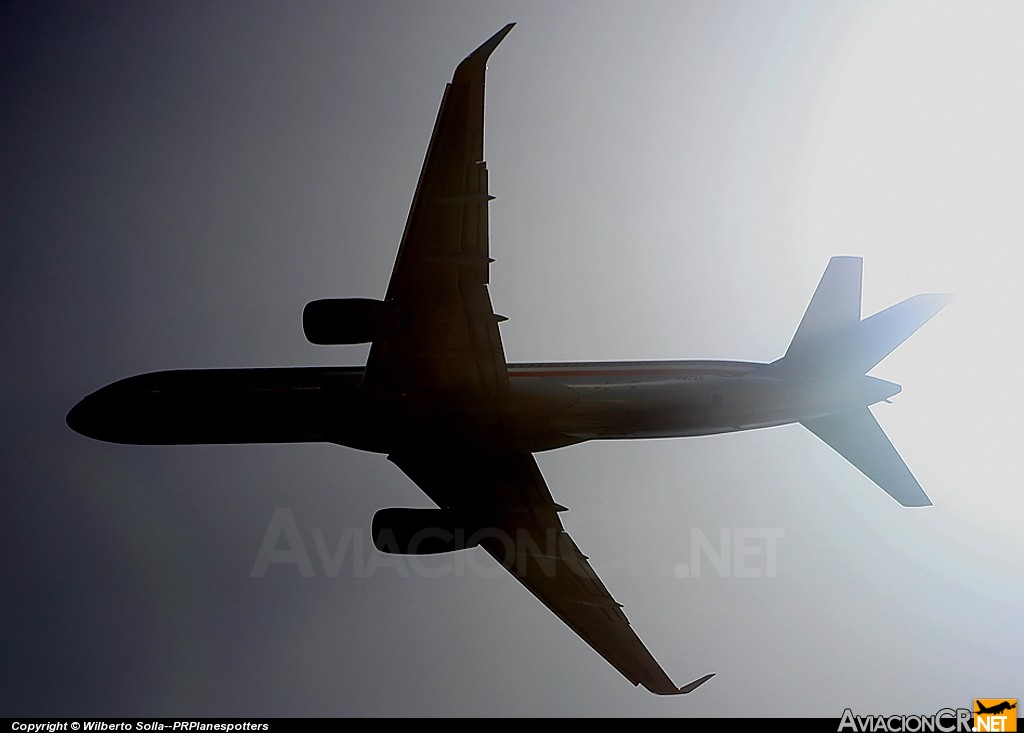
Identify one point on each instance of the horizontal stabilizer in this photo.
(879, 335)
(834, 308)
(858, 438)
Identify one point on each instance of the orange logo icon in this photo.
(995, 714)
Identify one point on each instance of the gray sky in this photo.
(178, 179)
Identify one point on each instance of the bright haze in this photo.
(179, 179)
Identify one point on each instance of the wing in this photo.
(508, 497)
(449, 338)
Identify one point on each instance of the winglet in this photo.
(477, 60)
(687, 689)
(488, 46)
(684, 690)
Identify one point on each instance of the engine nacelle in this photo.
(421, 531)
(348, 321)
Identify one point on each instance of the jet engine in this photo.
(348, 321)
(421, 531)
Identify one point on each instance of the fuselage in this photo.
(546, 406)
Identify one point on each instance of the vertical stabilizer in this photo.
(879, 335)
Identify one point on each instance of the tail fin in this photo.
(880, 334)
(832, 343)
(858, 438)
(832, 340)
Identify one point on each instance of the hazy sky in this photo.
(179, 179)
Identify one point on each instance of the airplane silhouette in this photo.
(439, 399)
(996, 709)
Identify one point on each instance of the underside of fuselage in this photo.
(546, 406)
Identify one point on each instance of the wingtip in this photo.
(684, 690)
(488, 46)
(687, 689)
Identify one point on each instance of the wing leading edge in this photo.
(506, 499)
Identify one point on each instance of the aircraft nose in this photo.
(82, 417)
(101, 415)
(122, 412)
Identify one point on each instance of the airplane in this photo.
(996, 709)
(439, 399)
